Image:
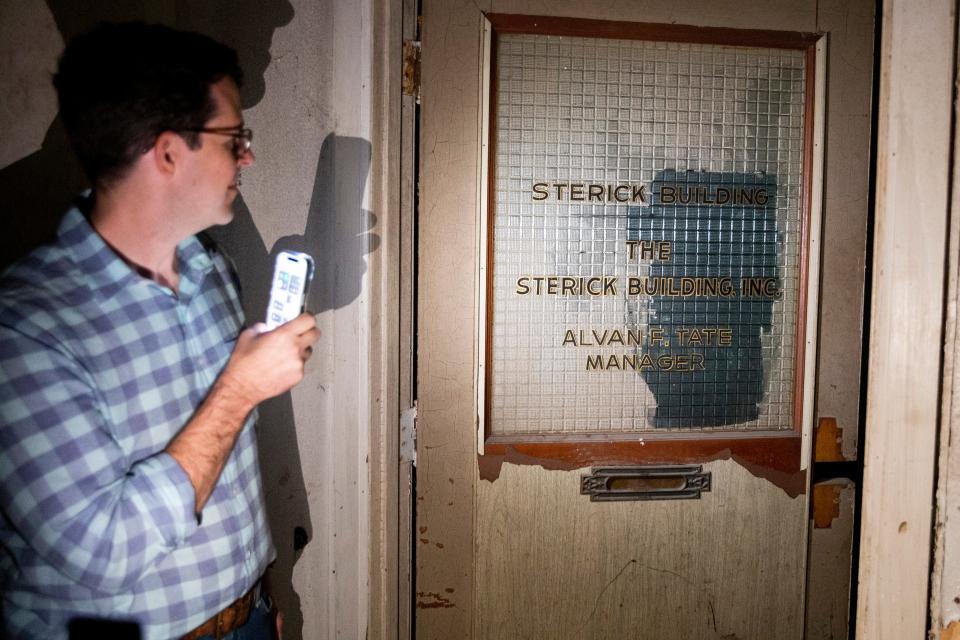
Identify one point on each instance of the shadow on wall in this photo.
(337, 235)
(37, 189)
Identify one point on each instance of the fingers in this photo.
(308, 337)
(303, 322)
(304, 328)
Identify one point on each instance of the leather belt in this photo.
(230, 619)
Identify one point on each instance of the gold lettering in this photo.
(771, 288)
(590, 284)
(726, 288)
(697, 361)
(713, 196)
(582, 191)
(703, 336)
(649, 250)
(760, 288)
(664, 251)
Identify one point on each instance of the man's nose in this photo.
(246, 158)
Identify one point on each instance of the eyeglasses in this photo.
(242, 138)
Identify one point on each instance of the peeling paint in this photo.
(433, 600)
(826, 504)
(791, 480)
(950, 632)
(829, 438)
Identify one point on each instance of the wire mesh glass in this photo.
(646, 236)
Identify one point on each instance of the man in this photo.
(128, 467)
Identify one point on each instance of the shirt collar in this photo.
(108, 273)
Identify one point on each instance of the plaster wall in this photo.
(307, 96)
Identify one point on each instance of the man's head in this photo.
(121, 86)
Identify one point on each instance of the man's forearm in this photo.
(205, 443)
(262, 365)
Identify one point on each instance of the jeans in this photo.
(259, 626)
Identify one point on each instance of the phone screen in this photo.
(292, 273)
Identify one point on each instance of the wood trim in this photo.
(806, 210)
(775, 459)
(764, 451)
(915, 118)
(582, 27)
(491, 209)
(386, 556)
(670, 446)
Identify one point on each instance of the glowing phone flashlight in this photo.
(292, 274)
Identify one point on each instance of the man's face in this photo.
(214, 166)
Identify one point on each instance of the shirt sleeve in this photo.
(65, 483)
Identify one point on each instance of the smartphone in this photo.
(292, 274)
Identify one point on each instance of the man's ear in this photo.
(168, 152)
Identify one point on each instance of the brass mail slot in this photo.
(662, 482)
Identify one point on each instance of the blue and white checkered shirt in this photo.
(99, 369)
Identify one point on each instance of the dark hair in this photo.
(122, 85)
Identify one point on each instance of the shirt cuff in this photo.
(169, 495)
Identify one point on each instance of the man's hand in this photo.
(264, 364)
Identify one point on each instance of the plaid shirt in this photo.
(99, 369)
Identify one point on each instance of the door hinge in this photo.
(411, 68)
(408, 435)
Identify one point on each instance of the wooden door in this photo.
(507, 545)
